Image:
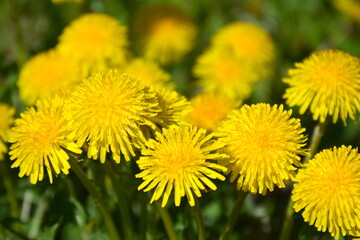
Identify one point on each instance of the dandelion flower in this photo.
(263, 144)
(327, 83)
(249, 42)
(165, 33)
(40, 138)
(148, 72)
(327, 189)
(173, 106)
(95, 41)
(209, 109)
(222, 72)
(6, 121)
(178, 159)
(172, 109)
(108, 109)
(46, 74)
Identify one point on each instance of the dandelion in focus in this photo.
(327, 83)
(40, 139)
(165, 33)
(46, 74)
(180, 159)
(209, 109)
(222, 72)
(95, 42)
(263, 144)
(107, 110)
(6, 121)
(327, 189)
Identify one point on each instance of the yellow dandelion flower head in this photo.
(95, 41)
(39, 139)
(107, 110)
(165, 33)
(178, 159)
(327, 83)
(209, 109)
(148, 72)
(46, 74)
(247, 41)
(6, 121)
(173, 107)
(263, 143)
(350, 8)
(222, 72)
(327, 189)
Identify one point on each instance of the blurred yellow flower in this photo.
(95, 42)
(108, 109)
(350, 8)
(40, 138)
(209, 109)
(46, 74)
(328, 83)
(222, 72)
(249, 42)
(148, 72)
(165, 33)
(327, 189)
(6, 121)
(181, 158)
(263, 144)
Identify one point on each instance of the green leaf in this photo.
(49, 232)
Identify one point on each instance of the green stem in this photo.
(316, 137)
(169, 226)
(10, 193)
(143, 225)
(199, 219)
(288, 222)
(2, 232)
(123, 206)
(113, 234)
(40, 213)
(233, 215)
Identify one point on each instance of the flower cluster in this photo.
(91, 97)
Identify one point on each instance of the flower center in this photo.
(166, 30)
(178, 159)
(44, 135)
